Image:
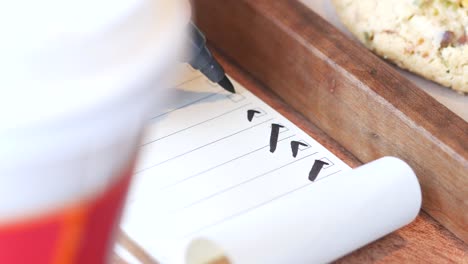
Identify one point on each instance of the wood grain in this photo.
(422, 241)
(349, 93)
(134, 248)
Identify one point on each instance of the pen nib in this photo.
(227, 85)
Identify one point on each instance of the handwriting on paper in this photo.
(295, 147)
(251, 113)
(316, 168)
(275, 128)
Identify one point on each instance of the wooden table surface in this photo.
(422, 241)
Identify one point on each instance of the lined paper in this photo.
(224, 174)
(203, 163)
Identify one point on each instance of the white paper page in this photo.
(204, 164)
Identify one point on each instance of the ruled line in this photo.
(217, 166)
(210, 119)
(256, 206)
(220, 139)
(244, 182)
(246, 210)
(328, 175)
(185, 105)
(187, 81)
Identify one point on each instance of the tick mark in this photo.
(251, 113)
(275, 128)
(316, 168)
(295, 147)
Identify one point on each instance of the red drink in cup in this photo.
(78, 81)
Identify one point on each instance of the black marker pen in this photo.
(203, 60)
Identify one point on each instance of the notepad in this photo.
(224, 175)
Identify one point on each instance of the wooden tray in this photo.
(349, 93)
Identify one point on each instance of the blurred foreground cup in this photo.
(77, 81)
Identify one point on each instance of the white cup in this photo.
(78, 81)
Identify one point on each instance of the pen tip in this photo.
(227, 85)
